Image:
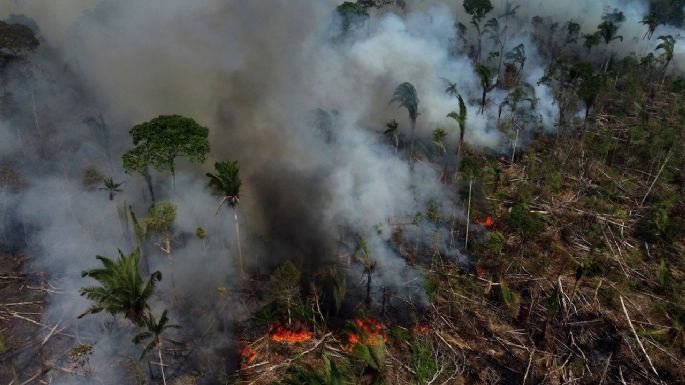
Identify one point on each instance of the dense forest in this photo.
(334, 192)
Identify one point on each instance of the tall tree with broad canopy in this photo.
(158, 142)
(16, 40)
(122, 289)
(226, 182)
(405, 95)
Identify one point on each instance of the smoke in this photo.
(252, 72)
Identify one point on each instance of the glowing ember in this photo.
(419, 329)
(280, 334)
(480, 272)
(248, 356)
(367, 332)
(487, 222)
(502, 158)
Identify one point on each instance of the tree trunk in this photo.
(513, 151)
(173, 178)
(411, 139)
(397, 143)
(482, 101)
(368, 288)
(111, 195)
(161, 364)
(468, 217)
(148, 180)
(237, 237)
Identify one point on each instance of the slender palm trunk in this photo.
(237, 237)
(368, 288)
(411, 139)
(513, 151)
(161, 364)
(468, 217)
(111, 195)
(397, 143)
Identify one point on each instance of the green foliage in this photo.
(158, 142)
(121, 289)
(405, 95)
(510, 298)
(200, 233)
(334, 286)
(307, 374)
(477, 8)
(423, 362)
(496, 242)
(160, 216)
(460, 118)
(438, 137)
(154, 330)
(668, 11)
(611, 22)
(91, 178)
(16, 39)
(111, 186)
(370, 355)
(470, 167)
(663, 276)
(523, 221)
(351, 15)
(226, 181)
(284, 283)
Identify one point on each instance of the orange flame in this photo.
(419, 329)
(248, 356)
(368, 332)
(488, 223)
(279, 334)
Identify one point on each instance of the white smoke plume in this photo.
(252, 71)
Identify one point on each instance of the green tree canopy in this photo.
(122, 289)
(477, 8)
(160, 141)
(16, 39)
(226, 181)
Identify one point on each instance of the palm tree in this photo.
(111, 186)
(226, 182)
(460, 118)
(405, 95)
(154, 333)
(519, 94)
(651, 21)
(518, 56)
(590, 40)
(122, 289)
(485, 82)
(497, 34)
(392, 130)
(667, 45)
(438, 137)
(368, 264)
(608, 30)
(451, 88)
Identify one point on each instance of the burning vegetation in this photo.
(324, 251)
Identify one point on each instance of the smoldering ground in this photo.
(252, 72)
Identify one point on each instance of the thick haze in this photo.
(252, 71)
